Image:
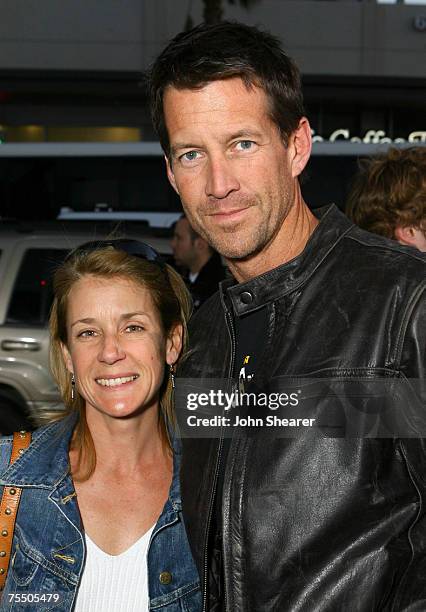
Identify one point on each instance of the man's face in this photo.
(229, 165)
(182, 244)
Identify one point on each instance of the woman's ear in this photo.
(67, 358)
(174, 344)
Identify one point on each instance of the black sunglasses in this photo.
(131, 247)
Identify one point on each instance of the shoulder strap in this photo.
(9, 507)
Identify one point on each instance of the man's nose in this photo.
(221, 180)
(111, 349)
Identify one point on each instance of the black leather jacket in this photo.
(329, 524)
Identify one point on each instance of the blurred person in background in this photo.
(99, 523)
(388, 196)
(202, 265)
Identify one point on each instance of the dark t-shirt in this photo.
(250, 331)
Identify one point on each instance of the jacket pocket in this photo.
(184, 599)
(354, 402)
(22, 568)
(192, 602)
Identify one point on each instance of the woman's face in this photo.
(116, 346)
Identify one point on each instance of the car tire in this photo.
(13, 415)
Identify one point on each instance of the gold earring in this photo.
(72, 387)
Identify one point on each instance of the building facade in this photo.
(72, 71)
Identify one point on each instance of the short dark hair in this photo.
(389, 191)
(221, 51)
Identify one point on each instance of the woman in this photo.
(99, 525)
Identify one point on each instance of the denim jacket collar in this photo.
(50, 446)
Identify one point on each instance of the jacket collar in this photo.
(257, 292)
(45, 463)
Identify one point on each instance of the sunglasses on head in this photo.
(131, 247)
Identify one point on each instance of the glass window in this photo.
(32, 294)
(37, 187)
(328, 179)
(401, 2)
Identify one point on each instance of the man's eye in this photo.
(189, 156)
(244, 145)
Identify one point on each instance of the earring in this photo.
(172, 375)
(72, 387)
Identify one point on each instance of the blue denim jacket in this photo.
(48, 549)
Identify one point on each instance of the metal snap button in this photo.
(4, 532)
(246, 297)
(12, 491)
(165, 577)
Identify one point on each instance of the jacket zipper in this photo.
(231, 331)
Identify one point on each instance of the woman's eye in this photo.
(134, 328)
(86, 333)
(244, 145)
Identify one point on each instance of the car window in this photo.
(32, 293)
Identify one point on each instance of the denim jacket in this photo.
(48, 550)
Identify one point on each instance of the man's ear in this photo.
(408, 235)
(170, 174)
(301, 143)
(174, 344)
(67, 358)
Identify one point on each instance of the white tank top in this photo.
(115, 583)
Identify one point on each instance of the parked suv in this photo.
(27, 261)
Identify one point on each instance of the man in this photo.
(310, 522)
(388, 196)
(193, 253)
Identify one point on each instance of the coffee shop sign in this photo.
(372, 137)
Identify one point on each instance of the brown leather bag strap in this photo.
(9, 507)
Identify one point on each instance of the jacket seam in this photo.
(412, 303)
(234, 605)
(386, 247)
(414, 522)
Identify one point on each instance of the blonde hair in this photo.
(170, 297)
